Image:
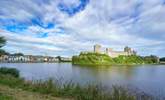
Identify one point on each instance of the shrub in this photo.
(103, 59)
(9, 71)
(162, 59)
(151, 59)
(72, 90)
(5, 97)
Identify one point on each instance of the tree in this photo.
(162, 59)
(59, 58)
(3, 52)
(18, 54)
(151, 59)
(2, 41)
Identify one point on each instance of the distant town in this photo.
(20, 58)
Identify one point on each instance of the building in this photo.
(109, 51)
(26, 59)
(66, 59)
(97, 48)
(112, 53)
(51, 59)
(4, 58)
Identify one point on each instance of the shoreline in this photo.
(34, 62)
(80, 64)
(115, 64)
(67, 91)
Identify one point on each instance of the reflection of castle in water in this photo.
(109, 51)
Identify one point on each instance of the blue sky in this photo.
(66, 27)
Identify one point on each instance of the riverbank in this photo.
(8, 93)
(163, 62)
(109, 65)
(68, 90)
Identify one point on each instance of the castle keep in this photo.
(109, 51)
(97, 48)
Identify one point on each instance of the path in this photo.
(19, 94)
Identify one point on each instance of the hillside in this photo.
(92, 59)
(103, 59)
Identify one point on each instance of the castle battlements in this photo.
(109, 51)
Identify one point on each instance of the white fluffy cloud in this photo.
(113, 23)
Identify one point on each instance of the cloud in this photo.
(19, 10)
(82, 23)
(52, 45)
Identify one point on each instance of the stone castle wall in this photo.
(97, 48)
(109, 51)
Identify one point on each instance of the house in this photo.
(66, 59)
(4, 58)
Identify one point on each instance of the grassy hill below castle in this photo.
(103, 59)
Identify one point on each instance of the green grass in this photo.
(9, 71)
(69, 89)
(103, 59)
(5, 97)
(92, 59)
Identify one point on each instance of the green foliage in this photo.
(162, 59)
(3, 52)
(129, 60)
(2, 41)
(5, 97)
(59, 58)
(151, 59)
(11, 81)
(18, 54)
(103, 59)
(71, 90)
(92, 58)
(9, 71)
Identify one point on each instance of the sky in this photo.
(67, 27)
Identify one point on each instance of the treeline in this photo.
(2, 43)
(151, 59)
(162, 59)
(103, 59)
(3, 52)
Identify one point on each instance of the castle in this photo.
(109, 51)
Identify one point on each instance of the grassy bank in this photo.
(8, 93)
(92, 59)
(70, 90)
(95, 59)
(5, 97)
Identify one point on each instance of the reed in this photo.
(70, 90)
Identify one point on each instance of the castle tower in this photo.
(128, 50)
(134, 52)
(97, 48)
(108, 50)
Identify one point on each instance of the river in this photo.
(147, 78)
